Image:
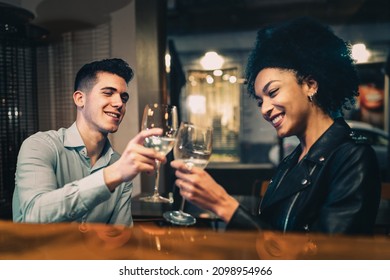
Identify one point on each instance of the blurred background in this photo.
(190, 53)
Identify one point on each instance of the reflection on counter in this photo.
(152, 241)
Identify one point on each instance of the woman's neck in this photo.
(316, 127)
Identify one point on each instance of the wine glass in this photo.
(165, 117)
(193, 146)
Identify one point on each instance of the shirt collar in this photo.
(73, 140)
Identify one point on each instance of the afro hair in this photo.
(311, 50)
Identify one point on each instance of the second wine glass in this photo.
(193, 146)
(165, 117)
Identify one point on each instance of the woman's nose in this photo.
(266, 107)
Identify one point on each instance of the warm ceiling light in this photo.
(211, 61)
(217, 73)
(360, 53)
(209, 79)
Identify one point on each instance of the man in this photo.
(74, 174)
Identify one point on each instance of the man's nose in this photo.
(116, 100)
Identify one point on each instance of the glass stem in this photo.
(157, 178)
(181, 210)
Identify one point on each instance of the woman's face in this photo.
(284, 103)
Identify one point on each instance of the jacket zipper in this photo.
(293, 202)
(276, 187)
(289, 212)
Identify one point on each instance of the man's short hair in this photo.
(87, 75)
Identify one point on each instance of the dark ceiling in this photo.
(208, 16)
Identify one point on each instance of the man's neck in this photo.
(94, 141)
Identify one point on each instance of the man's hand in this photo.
(135, 159)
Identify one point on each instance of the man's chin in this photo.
(113, 130)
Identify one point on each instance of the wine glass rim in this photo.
(195, 125)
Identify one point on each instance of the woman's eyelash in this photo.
(272, 92)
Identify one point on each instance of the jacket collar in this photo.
(281, 186)
(336, 134)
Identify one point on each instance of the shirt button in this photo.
(321, 159)
(304, 181)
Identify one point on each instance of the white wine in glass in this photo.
(193, 146)
(165, 117)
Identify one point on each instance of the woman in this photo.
(302, 77)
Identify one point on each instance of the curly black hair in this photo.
(87, 75)
(311, 50)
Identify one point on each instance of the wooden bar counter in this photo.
(153, 241)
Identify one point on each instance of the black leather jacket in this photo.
(335, 188)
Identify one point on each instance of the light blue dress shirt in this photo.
(55, 182)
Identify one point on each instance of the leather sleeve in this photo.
(353, 195)
(243, 219)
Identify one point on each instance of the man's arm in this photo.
(122, 212)
(39, 199)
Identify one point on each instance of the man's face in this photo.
(105, 104)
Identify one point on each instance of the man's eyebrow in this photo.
(110, 88)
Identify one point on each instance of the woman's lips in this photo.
(277, 120)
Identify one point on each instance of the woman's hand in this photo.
(198, 187)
